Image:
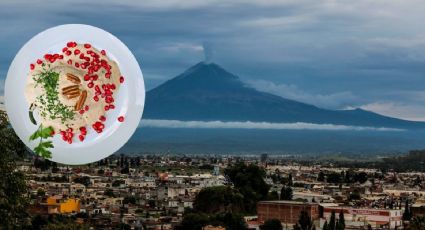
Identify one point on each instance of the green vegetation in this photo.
(225, 205)
(12, 182)
(49, 102)
(43, 146)
(249, 181)
(219, 199)
(417, 223)
(272, 224)
(286, 193)
(304, 222)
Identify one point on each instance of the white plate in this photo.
(129, 101)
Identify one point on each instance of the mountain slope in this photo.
(207, 92)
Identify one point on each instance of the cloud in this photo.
(183, 47)
(414, 112)
(336, 100)
(255, 125)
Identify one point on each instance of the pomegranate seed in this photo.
(77, 64)
(64, 49)
(82, 128)
(64, 138)
(102, 118)
(90, 85)
(82, 56)
(113, 86)
(56, 56)
(87, 45)
(86, 108)
(39, 61)
(95, 98)
(77, 51)
(67, 53)
(111, 106)
(120, 118)
(97, 88)
(71, 44)
(81, 111)
(60, 57)
(32, 66)
(52, 133)
(69, 141)
(121, 79)
(99, 130)
(69, 62)
(47, 56)
(84, 132)
(69, 130)
(87, 58)
(86, 77)
(81, 137)
(106, 108)
(103, 52)
(94, 77)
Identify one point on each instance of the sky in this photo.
(334, 54)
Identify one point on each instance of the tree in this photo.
(109, 192)
(325, 225)
(341, 221)
(407, 215)
(332, 221)
(249, 181)
(290, 180)
(334, 178)
(304, 222)
(286, 193)
(217, 199)
(273, 195)
(272, 224)
(417, 223)
(321, 176)
(12, 182)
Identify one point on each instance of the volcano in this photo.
(207, 92)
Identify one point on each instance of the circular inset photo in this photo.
(74, 94)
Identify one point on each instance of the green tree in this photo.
(286, 193)
(12, 182)
(272, 224)
(407, 215)
(304, 222)
(249, 181)
(417, 223)
(325, 226)
(273, 195)
(332, 221)
(341, 221)
(218, 199)
(321, 176)
(334, 178)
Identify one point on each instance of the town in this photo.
(164, 191)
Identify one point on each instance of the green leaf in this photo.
(35, 135)
(46, 132)
(46, 144)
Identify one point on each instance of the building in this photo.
(361, 217)
(288, 212)
(58, 205)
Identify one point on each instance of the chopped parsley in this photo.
(49, 104)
